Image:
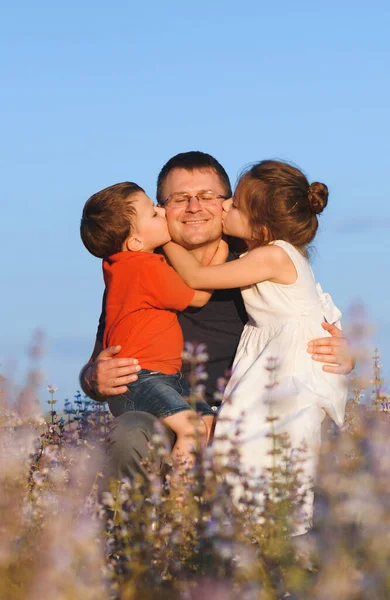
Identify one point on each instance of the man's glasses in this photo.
(182, 200)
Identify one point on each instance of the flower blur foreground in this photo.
(63, 538)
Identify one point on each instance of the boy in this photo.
(121, 225)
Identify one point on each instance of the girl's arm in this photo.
(201, 297)
(268, 263)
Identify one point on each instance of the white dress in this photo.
(282, 320)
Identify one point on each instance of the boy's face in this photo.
(150, 225)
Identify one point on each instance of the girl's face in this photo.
(234, 221)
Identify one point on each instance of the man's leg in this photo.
(128, 444)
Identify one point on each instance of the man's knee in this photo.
(128, 443)
(134, 430)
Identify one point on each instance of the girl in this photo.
(274, 210)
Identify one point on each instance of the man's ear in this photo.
(134, 244)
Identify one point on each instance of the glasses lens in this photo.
(178, 199)
(183, 199)
(207, 197)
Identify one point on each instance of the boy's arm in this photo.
(201, 297)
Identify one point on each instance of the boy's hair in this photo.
(280, 203)
(107, 219)
(190, 161)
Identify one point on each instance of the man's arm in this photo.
(334, 351)
(104, 375)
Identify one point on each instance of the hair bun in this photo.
(318, 197)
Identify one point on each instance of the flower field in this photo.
(65, 538)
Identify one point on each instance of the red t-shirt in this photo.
(143, 295)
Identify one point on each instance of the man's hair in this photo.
(191, 161)
(107, 219)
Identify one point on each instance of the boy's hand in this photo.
(334, 351)
(109, 376)
(221, 253)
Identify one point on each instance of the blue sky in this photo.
(93, 94)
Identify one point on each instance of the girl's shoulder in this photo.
(278, 251)
(299, 259)
(296, 255)
(285, 245)
(281, 266)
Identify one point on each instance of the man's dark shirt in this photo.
(218, 324)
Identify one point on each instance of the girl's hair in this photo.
(280, 203)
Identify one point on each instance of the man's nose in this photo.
(193, 205)
(161, 211)
(226, 204)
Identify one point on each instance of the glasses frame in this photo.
(163, 203)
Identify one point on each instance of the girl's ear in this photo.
(134, 244)
(265, 234)
(261, 233)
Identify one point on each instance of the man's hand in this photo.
(334, 351)
(109, 376)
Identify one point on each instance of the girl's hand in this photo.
(334, 351)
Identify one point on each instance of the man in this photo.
(197, 226)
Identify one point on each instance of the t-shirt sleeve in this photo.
(164, 288)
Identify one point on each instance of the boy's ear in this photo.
(134, 244)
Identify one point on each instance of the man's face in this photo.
(193, 225)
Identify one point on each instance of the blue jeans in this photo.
(154, 393)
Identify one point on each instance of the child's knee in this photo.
(208, 420)
(193, 426)
(187, 424)
(202, 428)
